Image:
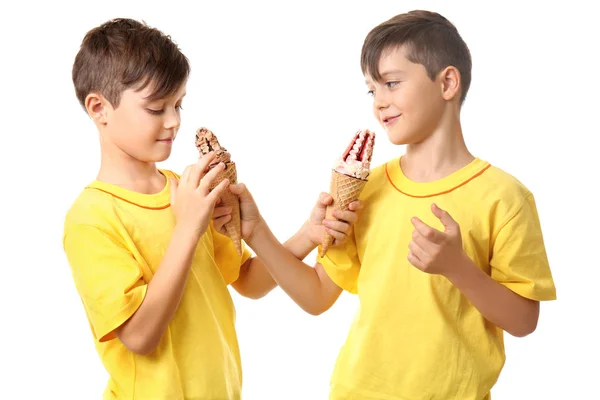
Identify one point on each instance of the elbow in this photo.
(521, 333)
(525, 329)
(254, 290)
(256, 294)
(315, 309)
(144, 349)
(142, 345)
(528, 321)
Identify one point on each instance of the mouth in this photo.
(390, 120)
(167, 140)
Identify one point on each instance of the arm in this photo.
(192, 203)
(256, 279)
(300, 244)
(310, 288)
(501, 306)
(442, 253)
(253, 280)
(142, 332)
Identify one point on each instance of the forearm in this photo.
(254, 281)
(143, 331)
(498, 304)
(299, 280)
(299, 244)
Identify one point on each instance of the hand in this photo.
(339, 228)
(191, 200)
(433, 251)
(250, 216)
(221, 216)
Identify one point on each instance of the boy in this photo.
(448, 251)
(149, 265)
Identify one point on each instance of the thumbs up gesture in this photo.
(433, 251)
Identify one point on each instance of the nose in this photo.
(172, 119)
(381, 100)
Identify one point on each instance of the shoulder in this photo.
(504, 186)
(97, 206)
(170, 174)
(379, 172)
(504, 195)
(377, 178)
(92, 207)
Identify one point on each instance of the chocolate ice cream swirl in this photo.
(206, 141)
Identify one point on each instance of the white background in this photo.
(280, 84)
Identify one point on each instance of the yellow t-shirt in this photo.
(415, 336)
(114, 240)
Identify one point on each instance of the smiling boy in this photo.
(447, 254)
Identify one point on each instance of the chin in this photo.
(163, 158)
(158, 156)
(399, 138)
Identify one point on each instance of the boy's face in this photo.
(406, 102)
(142, 129)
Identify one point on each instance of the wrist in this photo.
(301, 243)
(463, 268)
(304, 235)
(186, 234)
(260, 230)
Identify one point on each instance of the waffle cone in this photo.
(344, 189)
(229, 199)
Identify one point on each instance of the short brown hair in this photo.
(429, 39)
(124, 53)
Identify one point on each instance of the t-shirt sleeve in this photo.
(226, 256)
(107, 277)
(519, 259)
(342, 265)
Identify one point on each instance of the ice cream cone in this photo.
(206, 142)
(228, 199)
(344, 189)
(348, 178)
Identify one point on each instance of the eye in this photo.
(371, 93)
(392, 84)
(179, 108)
(154, 112)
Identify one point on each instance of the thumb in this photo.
(173, 185)
(448, 222)
(325, 199)
(241, 191)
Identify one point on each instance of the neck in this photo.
(121, 169)
(443, 152)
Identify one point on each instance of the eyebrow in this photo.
(147, 101)
(386, 73)
(392, 72)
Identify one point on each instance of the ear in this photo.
(450, 79)
(97, 107)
